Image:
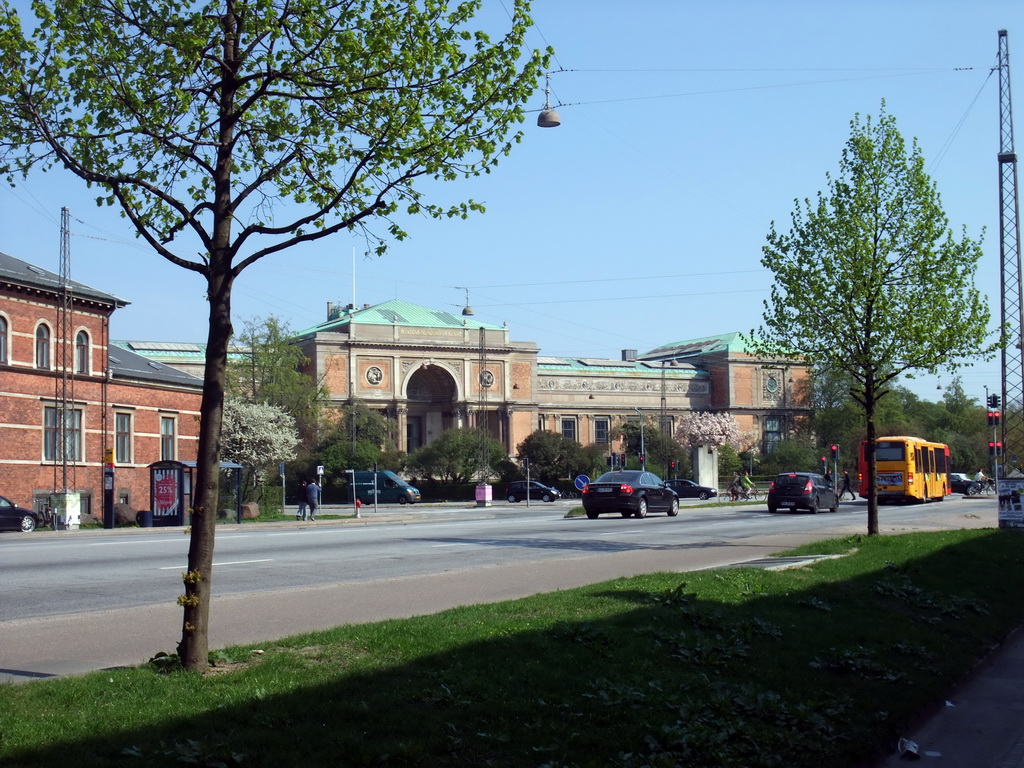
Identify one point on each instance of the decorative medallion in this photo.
(374, 375)
(486, 379)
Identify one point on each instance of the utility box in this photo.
(705, 465)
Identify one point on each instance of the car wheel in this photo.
(546, 498)
(674, 509)
(592, 514)
(813, 509)
(641, 510)
(403, 500)
(704, 496)
(835, 506)
(512, 498)
(773, 510)
(28, 524)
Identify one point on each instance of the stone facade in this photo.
(432, 371)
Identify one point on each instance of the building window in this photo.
(3, 340)
(82, 352)
(123, 438)
(58, 447)
(772, 435)
(167, 438)
(601, 431)
(569, 428)
(43, 347)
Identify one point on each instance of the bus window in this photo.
(886, 450)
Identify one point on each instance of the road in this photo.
(78, 601)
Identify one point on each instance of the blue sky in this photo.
(687, 127)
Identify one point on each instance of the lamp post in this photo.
(643, 451)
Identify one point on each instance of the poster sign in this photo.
(167, 492)
(1011, 509)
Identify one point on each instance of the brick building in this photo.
(68, 399)
(430, 370)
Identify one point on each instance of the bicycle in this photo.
(752, 494)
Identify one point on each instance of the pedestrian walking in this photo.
(300, 513)
(313, 498)
(847, 487)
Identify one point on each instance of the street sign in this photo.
(581, 481)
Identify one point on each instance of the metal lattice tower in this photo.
(1010, 277)
(64, 380)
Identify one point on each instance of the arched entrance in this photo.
(431, 394)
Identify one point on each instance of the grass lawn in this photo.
(814, 666)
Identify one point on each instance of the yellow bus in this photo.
(906, 469)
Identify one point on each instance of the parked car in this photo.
(629, 492)
(517, 489)
(687, 489)
(802, 490)
(15, 518)
(965, 484)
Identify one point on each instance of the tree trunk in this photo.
(869, 454)
(193, 650)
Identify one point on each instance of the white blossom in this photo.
(707, 428)
(256, 434)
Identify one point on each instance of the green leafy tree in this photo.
(870, 280)
(228, 130)
(457, 456)
(553, 456)
(358, 438)
(267, 367)
(258, 436)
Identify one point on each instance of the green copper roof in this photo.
(725, 342)
(595, 365)
(396, 312)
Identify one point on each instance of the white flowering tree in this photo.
(257, 435)
(707, 428)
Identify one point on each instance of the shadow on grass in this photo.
(811, 667)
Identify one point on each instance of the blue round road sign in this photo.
(581, 481)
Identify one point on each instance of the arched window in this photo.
(82, 352)
(3, 340)
(43, 347)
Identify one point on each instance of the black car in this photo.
(629, 492)
(687, 489)
(516, 491)
(802, 490)
(15, 518)
(961, 483)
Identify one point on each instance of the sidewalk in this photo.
(981, 724)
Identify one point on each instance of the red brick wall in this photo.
(25, 392)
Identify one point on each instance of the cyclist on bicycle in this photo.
(747, 485)
(735, 487)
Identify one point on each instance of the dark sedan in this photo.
(687, 489)
(629, 492)
(15, 518)
(961, 483)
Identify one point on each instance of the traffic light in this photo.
(995, 449)
(993, 418)
(994, 401)
(672, 465)
(835, 453)
(824, 465)
(622, 458)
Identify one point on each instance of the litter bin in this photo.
(144, 518)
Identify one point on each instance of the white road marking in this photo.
(236, 562)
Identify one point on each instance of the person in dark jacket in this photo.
(313, 498)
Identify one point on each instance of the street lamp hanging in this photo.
(548, 118)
